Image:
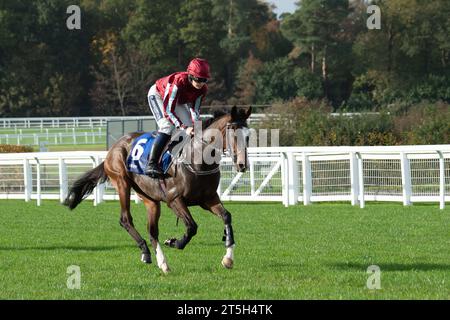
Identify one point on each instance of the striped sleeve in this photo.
(169, 103)
(195, 109)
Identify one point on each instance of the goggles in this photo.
(200, 80)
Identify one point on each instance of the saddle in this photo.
(140, 151)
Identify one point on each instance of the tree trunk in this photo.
(443, 58)
(119, 91)
(390, 48)
(230, 16)
(325, 71)
(324, 64)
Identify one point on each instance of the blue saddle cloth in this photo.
(140, 151)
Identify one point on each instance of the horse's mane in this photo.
(237, 115)
(218, 114)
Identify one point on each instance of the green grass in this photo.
(65, 145)
(320, 251)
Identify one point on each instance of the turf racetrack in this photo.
(317, 252)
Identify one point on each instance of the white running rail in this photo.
(290, 175)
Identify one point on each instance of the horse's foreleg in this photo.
(182, 212)
(126, 221)
(215, 206)
(153, 214)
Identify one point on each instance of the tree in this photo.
(275, 81)
(199, 32)
(240, 19)
(38, 71)
(154, 30)
(122, 79)
(246, 84)
(316, 27)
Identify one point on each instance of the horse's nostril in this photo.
(241, 166)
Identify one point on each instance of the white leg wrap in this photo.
(160, 258)
(230, 252)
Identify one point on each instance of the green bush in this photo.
(374, 90)
(304, 122)
(428, 124)
(309, 84)
(433, 88)
(275, 81)
(8, 148)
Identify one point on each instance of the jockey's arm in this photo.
(169, 107)
(194, 109)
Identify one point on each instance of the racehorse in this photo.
(187, 183)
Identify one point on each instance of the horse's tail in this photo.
(84, 186)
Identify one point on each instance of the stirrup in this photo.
(154, 171)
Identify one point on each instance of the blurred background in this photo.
(312, 68)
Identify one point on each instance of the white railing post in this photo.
(360, 180)
(307, 179)
(354, 180)
(284, 179)
(63, 180)
(38, 181)
(293, 178)
(252, 177)
(27, 180)
(441, 180)
(406, 179)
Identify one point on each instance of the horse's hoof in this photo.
(170, 242)
(146, 258)
(227, 263)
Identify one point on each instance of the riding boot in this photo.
(153, 170)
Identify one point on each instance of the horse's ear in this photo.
(234, 113)
(248, 112)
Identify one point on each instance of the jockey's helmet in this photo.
(199, 68)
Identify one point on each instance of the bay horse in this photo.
(187, 183)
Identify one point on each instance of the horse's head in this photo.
(237, 137)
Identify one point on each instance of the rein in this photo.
(189, 166)
(228, 150)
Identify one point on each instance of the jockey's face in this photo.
(198, 83)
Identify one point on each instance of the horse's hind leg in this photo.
(126, 221)
(215, 206)
(153, 214)
(182, 212)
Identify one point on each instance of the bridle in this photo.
(230, 137)
(228, 150)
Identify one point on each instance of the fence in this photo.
(61, 122)
(88, 122)
(55, 138)
(73, 131)
(289, 175)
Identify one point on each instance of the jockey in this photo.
(175, 103)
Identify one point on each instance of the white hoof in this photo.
(227, 263)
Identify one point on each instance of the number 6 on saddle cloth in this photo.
(140, 151)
